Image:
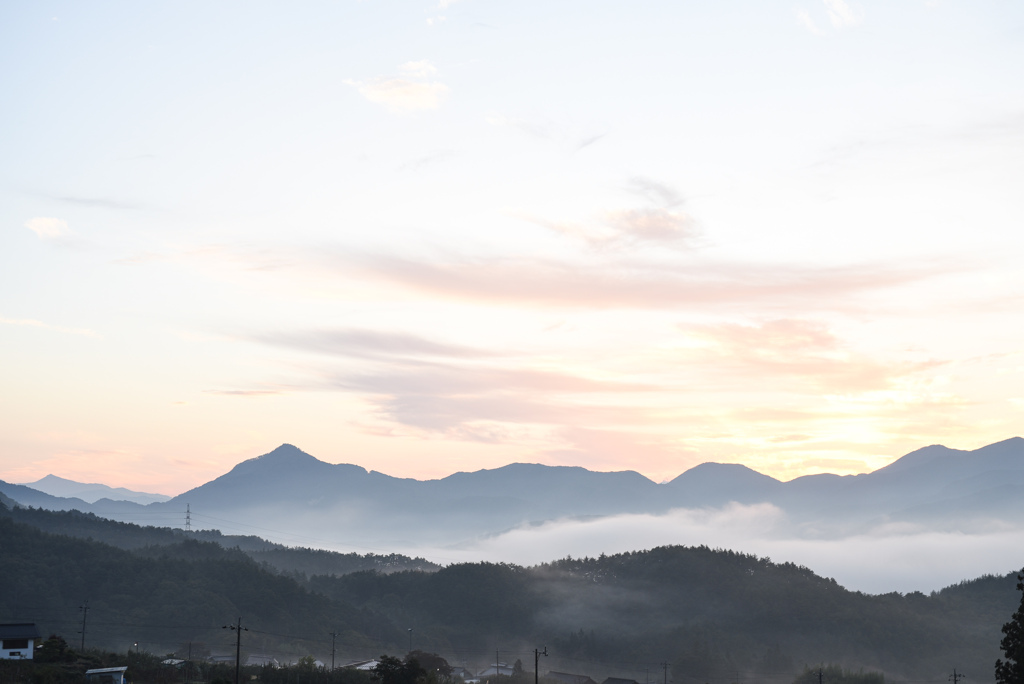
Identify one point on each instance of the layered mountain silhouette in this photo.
(291, 496)
(91, 492)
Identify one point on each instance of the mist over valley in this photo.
(929, 519)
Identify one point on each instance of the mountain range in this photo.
(292, 497)
(91, 492)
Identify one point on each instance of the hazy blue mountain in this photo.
(91, 492)
(715, 484)
(292, 497)
(27, 496)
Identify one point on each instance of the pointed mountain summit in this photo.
(286, 475)
(286, 458)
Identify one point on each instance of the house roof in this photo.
(362, 664)
(19, 630)
(570, 678)
(619, 680)
(105, 670)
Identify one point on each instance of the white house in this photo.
(18, 640)
(106, 675)
(496, 669)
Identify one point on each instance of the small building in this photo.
(364, 665)
(106, 675)
(18, 640)
(262, 660)
(497, 669)
(569, 678)
(619, 680)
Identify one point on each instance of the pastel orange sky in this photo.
(429, 237)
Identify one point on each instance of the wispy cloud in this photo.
(365, 343)
(96, 202)
(658, 193)
(244, 393)
(634, 284)
(800, 350)
(804, 17)
(627, 227)
(651, 225)
(429, 159)
(841, 14)
(48, 227)
(412, 90)
(28, 322)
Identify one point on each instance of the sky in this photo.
(431, 236)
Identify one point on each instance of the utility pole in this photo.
(956, 677)
(84, 608)
(410, 640)
(497, 659)
(238, 646)
(664, 666)
(536, 663)
(821, 675)
(334, 635)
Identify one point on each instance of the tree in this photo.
(307, 662)
(431, 662)
(1011, 671)
(391, 670)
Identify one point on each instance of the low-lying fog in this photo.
(885, 558)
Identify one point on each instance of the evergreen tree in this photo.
(1011, 671)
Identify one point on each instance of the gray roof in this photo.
(570, 678)
(19, 630)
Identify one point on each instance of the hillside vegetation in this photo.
(714, 616)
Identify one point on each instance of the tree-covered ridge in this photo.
(709, 612)
(285, 559)
(165, 595)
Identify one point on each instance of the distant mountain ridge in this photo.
(91, 492)
(300, 498)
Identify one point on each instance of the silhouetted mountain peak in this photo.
(286, 456)
(919, 458)
(707, 473)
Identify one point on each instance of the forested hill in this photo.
(285, 559)
(162, 596)
(712, 615)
